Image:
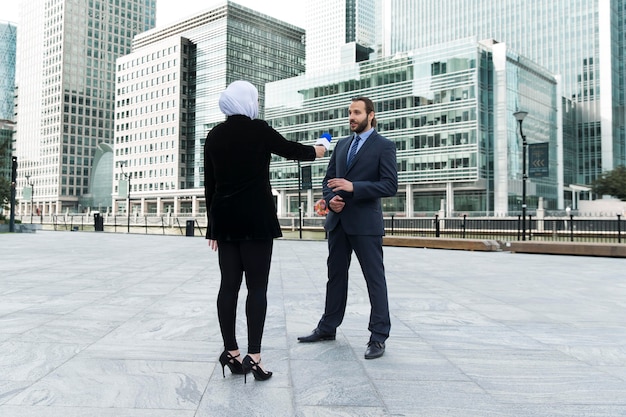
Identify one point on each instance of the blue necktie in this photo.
(353, 148)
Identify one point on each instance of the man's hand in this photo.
(336, 204)
(340, 184)
(213, 244)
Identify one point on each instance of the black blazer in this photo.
(373, 173)
(239, 200)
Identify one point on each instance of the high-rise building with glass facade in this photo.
(168, 91)
(340, 32)
(582, 41)
(7, 127)
(449, 110)
(8, 36)
(8, 39)
(66, 52)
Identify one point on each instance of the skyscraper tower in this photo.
(8, 36)
(66, 52)
(339, 32)
(582, 41)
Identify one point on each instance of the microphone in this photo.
(324, 140)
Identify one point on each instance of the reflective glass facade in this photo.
(8, 33)
(448, 109)
(100, 190)
(8, 39)
(582, 41)
(66, 81)
(335, 28)
(6, 145)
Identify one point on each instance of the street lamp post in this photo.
(32, 196)
(519, 116)
(128, 177)
(13, 192)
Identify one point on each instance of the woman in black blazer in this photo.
(242, 219)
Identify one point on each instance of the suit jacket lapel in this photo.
(342, 157)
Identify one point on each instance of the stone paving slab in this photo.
(115, 325)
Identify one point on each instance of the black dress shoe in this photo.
(316, 336)
(374, 350)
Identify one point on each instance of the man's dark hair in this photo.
(369, 107)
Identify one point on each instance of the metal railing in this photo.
(561, 228)
(119, 224)
(507, 229)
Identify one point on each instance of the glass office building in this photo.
(7, 127)
(449, 110)
(340, 32)
(8, 39)
(66, 52)
(582, 41)
(8, 36)
(168, 91)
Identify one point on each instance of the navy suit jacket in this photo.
(373, 173)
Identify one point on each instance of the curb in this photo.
(606, 250)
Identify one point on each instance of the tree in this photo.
(5, 183)
(612, 183)
(5, 192)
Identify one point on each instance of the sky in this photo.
(168, 11)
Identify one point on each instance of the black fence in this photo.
(563, 229)
(572, 229)
(118, 224)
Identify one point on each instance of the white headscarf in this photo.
(240, 97)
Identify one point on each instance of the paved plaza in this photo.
(117, 325)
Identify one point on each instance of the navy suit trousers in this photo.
(369, 252)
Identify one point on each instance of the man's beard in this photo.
(360, 127)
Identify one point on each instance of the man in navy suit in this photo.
(362, 170)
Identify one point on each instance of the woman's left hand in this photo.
(213, 244)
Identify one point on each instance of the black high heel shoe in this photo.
(249, 365)
(226, 359)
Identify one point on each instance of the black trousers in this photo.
(369, 252)
(252, 257)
